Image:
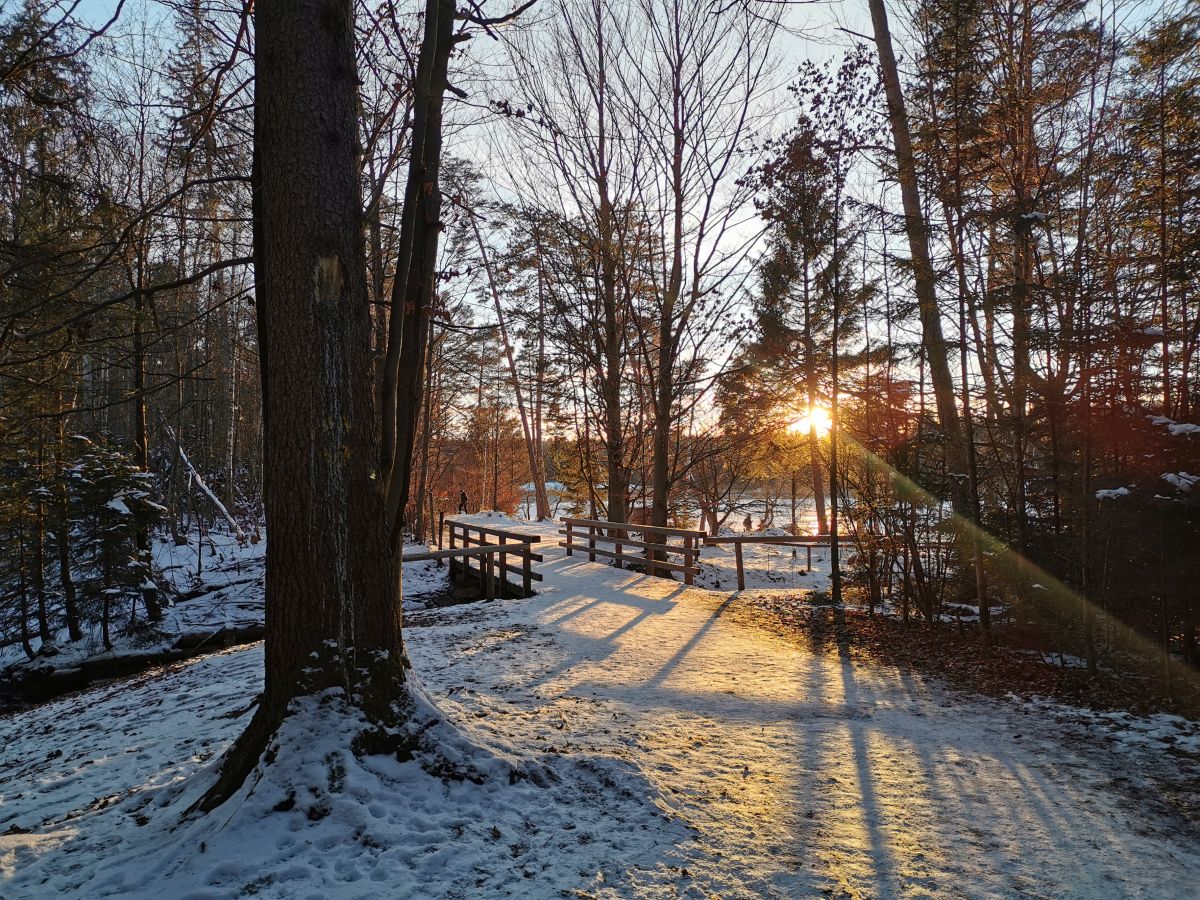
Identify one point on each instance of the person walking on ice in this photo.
(462, 501)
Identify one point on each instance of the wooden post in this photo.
(619, 534)
(527, 571)
(809, 548)
(486, 567)
(741, 573)
(441, 526)
(568, 537)
(688, 557)
(503, 570)
(591, 543)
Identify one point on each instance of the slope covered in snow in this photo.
(637, 742)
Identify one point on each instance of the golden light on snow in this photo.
(818, 416)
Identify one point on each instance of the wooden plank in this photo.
(509, 567)
(482, 550)
(517, 536)
(646, 545)
(516, 570)
(513, 547)
(799, 540)
(629, 526)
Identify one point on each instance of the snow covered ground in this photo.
(639, 743)
(219, 587)
(222, 588)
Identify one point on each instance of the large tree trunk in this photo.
(416, 265)
(332, 607)
(667, 343)
(917, 231)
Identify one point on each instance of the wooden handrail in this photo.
(519, 536)
(800, 539)
(482, 550)
(632, 526)
(633, 542)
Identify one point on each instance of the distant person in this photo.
(462, 501)
(747, 523)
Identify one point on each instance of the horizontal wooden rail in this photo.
(632, 526)
(584, 534)
(482, 550)
(628, 542)
(800, 540)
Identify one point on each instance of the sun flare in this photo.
(817, 417)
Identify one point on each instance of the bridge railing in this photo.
(740, 540)
(653, 550)
(489, 555)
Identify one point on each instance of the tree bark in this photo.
(416, 265)
(917, 231)
(332, 611)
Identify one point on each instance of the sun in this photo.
(817, 417)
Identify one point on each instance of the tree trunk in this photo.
(918, 243)
(39, 552)
(62, 525)
(141, 439)
(537, 468)
(416, 264)
(332, 607)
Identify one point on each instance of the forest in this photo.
(294, 295)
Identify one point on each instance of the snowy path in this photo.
(782, 773)
(803, 773)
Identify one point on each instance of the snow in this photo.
(1176, 429)
(226, 594)
(551, 486)
(1181, 480)
(637, 742)
(117, 505)
(1112, 493)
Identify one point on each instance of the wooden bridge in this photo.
(487, 556)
